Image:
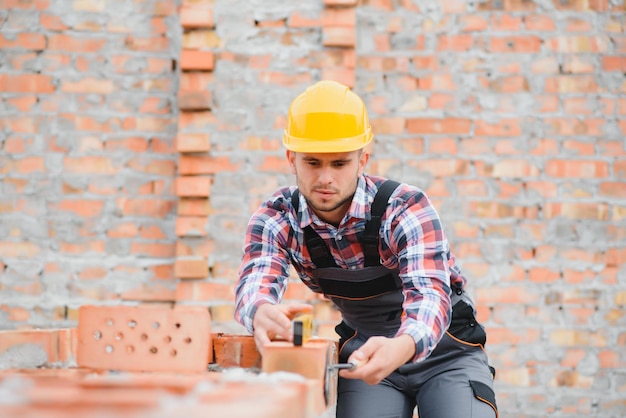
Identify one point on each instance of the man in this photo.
(393, 278)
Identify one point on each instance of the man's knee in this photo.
(357, 399)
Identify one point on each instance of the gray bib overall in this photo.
(370, 301)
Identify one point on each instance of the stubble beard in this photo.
(329, 209)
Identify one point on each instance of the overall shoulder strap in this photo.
(295, 200)
(320, 254)
(369, 239)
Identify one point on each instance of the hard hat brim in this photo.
(308, 145)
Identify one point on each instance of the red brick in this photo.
(578, 338)
(26, 4)
(224, 312)
(193, 143)
(133, 143)
(578, 44)
(195, 81)
(274, 164)
(505, 127)
(151, 292)
(539, 23)
(282, 79)
(196, 60)
(201, 39)
(34, 41)
(332, 17)
(195, 165)
(593, 211)
(26, 83)
(294, 399)
(82, 207)
(194, 226)
(198, 121)
(235, 351)
(156, 105)
(157, 208)
(473, 23)
(15, 314)
(191, 268)
(441, 82)
(582, 5)
(441, 167)
(196, 16)
(201, 247)
(578, 25)
(299, 20)
(571, 84)
(194, 100)
(340, 2)
(147, 44)
(439, 126)
(345, 76)
(339, 36)
(614, 63)
(508, 5)
(153, 232)
(56, 343)
(88, 85)
(193, 186)
(458, 43)
(12, 249)
(517, 44)
(298, 291)
(577, 169)
(125, 230)
(204, 291)
(144, 338)
(309, 360)
(75, 43)
(194, 207)
(505, 22)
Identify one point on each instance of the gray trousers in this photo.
(454, 381)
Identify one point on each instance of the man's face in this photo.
(328, 180)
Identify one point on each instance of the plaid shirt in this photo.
(412, 241)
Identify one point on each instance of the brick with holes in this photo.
(144, 338)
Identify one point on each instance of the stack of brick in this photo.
(149, 362)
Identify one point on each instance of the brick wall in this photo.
(137, 137)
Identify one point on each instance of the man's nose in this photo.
(325, 175)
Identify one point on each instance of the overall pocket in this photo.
(464, 327)
(485, 394)
(349, 341)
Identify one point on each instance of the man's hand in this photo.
(379, 357)
(271, 321)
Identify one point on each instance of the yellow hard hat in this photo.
(327, 117)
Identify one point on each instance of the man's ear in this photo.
(363, 159)
(291, 158)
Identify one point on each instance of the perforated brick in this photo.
(144, 338)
